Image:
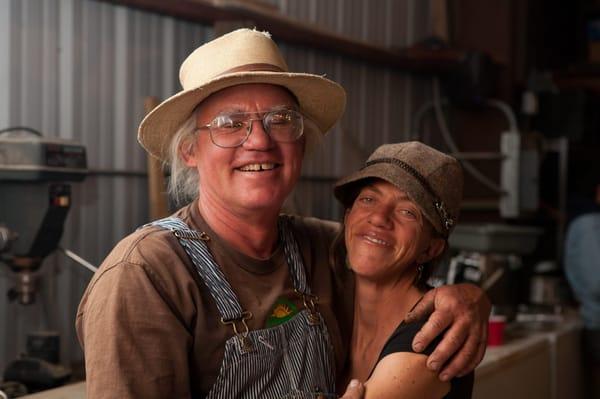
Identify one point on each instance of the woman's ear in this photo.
(434, 249)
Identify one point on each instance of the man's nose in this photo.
(258, 138)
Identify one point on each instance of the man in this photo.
(227, 298)
(582, 265)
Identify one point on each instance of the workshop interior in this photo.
(511, 88)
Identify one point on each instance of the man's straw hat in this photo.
(239, 57)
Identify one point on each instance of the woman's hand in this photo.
(462, 310)
(355, 390)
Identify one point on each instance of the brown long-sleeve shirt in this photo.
(150, 328)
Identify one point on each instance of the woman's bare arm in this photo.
(404, 375)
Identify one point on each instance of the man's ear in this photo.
(434, 249)
(187, 151)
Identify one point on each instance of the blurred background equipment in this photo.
(35, 201)
(489, 255)
(36, 196)
(39, 369)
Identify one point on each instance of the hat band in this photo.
(256, 67)
(446, 219)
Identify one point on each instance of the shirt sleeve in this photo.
(135, 345)
(401, 340)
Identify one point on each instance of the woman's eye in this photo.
(408, 213)
(366, 200)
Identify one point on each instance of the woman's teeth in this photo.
(376, 240)
(257, 167)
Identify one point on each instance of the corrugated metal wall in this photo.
(80, 69)
(380, 100)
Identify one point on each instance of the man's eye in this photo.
(281, 117)
(228, 123)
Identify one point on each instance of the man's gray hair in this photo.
(183, 182)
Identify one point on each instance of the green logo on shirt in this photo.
(282, 311)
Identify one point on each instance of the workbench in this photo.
(543, 362)
(533, 364)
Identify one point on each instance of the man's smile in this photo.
(258, 167)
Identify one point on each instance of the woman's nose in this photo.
(381, 217)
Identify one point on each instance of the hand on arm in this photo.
(462, 310)
(355, 390)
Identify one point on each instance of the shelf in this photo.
(583, 76)
(580, 70)
(414, 59)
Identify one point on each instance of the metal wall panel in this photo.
(380, 100)
(80, 69)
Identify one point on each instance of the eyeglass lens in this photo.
(232, 130)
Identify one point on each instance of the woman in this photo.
(400, 209)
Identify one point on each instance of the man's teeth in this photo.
(256, 167)
(376, 240)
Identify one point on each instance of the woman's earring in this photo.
(419, 273)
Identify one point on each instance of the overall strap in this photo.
(297, 270)
(292, 255)
(195, 246)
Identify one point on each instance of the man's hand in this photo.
(355, 390)
(462, 309)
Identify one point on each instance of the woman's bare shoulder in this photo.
(404, 375)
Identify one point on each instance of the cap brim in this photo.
(346, 189)
(320, 99)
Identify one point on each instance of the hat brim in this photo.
(320, 99)
(347, 188)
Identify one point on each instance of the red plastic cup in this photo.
(496, 325)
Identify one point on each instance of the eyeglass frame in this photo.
(249, 123)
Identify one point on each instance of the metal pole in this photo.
(78, 259)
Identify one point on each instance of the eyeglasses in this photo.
(233, 129)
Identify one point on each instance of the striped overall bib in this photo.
(291, 360)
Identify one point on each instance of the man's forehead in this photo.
(247, 96)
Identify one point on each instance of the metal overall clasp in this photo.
(191, 235)
(311, 303)
(245, 343)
